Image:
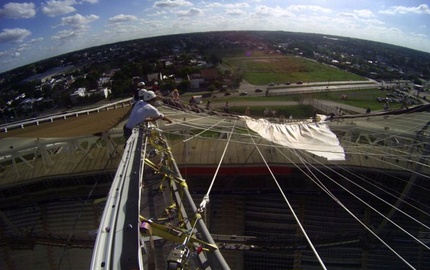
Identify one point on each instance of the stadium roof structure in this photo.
(265, 203)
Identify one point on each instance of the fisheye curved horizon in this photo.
(34, 31)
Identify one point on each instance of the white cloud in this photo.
(78, 25)
(347, 15)
(364, 13)
(261, 10)
(18, 10)
(421, 9)
(235, 5)
(235, 12)
(65, 34)
(54, 8)
(418, 35)
(34, 40)
(192, 12)
(78, 21)
(123, 29)
(172, 3)
(357, 14)
(122, 18)
(14, 35)
(301, 8)
(23, 47)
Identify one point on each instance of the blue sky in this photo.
(35, 30)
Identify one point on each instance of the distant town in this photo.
(190, 63)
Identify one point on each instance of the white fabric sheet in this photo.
(316, 138)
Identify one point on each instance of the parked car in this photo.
(243, 94)
(258, 90)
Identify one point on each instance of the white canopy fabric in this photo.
(316, 138)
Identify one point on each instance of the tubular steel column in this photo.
(130, 242)
(217, 260)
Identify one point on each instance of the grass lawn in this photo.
(357, 98)
(297, 111)
(261, 69)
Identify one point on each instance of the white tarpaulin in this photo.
(315, 138)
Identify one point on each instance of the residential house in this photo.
(81, 92)
(196, 80)
(154, 77)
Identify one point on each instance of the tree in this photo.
(91, 80)
(78, 83)
(214, 59)
(184, 86)
(211, 88)
(65, 99)
(168, 85)
(47, 91)
(417, 81)
(121, 85)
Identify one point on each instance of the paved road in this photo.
(250, 89)
(307, 87)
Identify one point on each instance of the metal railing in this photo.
(64, 115)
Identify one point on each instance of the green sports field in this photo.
(261, 68)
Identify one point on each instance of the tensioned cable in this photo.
(404, 169)
(196, 135)
(386, 140)
(310, 145)
(85, 203)
(398, 199)
(226, 126)
(365, 179)
(368, 153)
(394, 141)
(397, 156)
(399, 122)
(407, 154)
(363, 153)
(375, 156)
(400, 148)
(396, 114)
(398, 118)
(291, 208)
(373, 208)
(371, 193)
(401, 168)
(200, 123)
(206, 196)
(372, 157)
(198, 126)
(387, 137)
(378, 152)
(330, 194)
(396, 165)
(209, 138)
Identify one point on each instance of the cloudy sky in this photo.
(35, 30)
